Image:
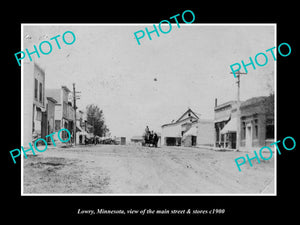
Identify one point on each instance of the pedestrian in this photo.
(155, 140)
(147, 135)
(147, 130)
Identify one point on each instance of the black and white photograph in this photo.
(158, 115)
(141, 111)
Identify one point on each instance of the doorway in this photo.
(248, 136)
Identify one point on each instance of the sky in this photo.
(157, 81)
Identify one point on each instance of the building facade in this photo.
(172, 133)
(256, 123)
(188, 130)
(81, 127)
(64, 111)
(225, 124)
(34, 103)
(50, 117)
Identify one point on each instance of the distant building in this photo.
(81, 133)
(64, 112)
(137, 140)
(50, 117)
(188, 130)
(120, 140)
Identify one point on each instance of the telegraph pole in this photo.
(75, 107)
(238, 112)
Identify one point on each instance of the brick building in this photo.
(257, 123)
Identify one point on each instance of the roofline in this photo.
(65, 87)
(248, 102)
(186, 112)
(168, 124)
(51, 99)
(225, 104)
(39, 67)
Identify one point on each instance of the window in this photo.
(243, 136)
(38, 114)
(35, 89)
(270, 129)
(41, 93)
(255, 131)
(57, 125)
(256, 128)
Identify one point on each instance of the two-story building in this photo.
(81, 127)
(225, 124)
(34, 103)
(50, 116)
(64, 111)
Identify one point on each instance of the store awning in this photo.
(230, 126)
(79, 129)
(192, 131)
(222, 119)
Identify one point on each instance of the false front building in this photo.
(256, 123)
(64, 112)
(34, 103)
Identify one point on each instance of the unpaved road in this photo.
(113, 169)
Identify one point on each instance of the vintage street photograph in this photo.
(163, 117)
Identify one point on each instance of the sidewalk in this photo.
(242, 149)
(215, 148)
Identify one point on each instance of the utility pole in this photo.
(238, 112)
(75, 107)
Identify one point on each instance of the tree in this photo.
(95, 118)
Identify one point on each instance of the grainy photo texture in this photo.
(105, 115)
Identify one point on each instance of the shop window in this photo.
(38, 114)
(36, 89)
(57, 125)
(243, 135)
(41, 93)
(256, 128)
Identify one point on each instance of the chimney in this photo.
(216, 102)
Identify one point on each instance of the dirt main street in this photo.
(115, 169)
